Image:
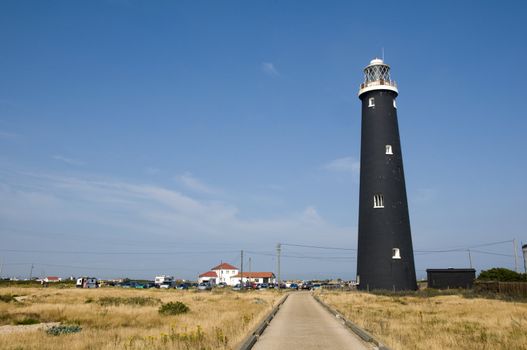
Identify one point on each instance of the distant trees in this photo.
(502, 275)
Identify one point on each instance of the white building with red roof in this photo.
(52, 279)
(254, 277)
(230, 275)
(219, 274)
(209, 276)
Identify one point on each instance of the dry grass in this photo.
(216, 320)
(435, 322)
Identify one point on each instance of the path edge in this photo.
(367, 337)
(257, 331)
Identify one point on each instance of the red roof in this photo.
(224, 266)
(257, 275)
(52, 278)
(209, 274)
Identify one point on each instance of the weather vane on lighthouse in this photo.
(385, 258)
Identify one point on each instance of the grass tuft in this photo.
(133, 301)
(7, 298)
(27, 320)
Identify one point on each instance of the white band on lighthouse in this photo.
(377, 77)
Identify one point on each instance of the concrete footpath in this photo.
(302, 323)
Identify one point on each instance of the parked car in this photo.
(204, 286)
(183, 286)
(307, 285)
(293, 286)
(316, 286)
(237, 287)
(221, 285)
(166, 285)
(131, 284)
(264, 286)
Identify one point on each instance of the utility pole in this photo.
(278, 251)
(241, 270)
(515, 255)
(469, 257)
(524, 251)
(1, 268)
(250, 269)
(31, 272)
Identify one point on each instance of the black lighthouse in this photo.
(385, 258)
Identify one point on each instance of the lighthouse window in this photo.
(389, 149)
(396, 253)
(394, 104)
(371, 102)
(378, 201)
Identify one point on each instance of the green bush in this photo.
(502, 275)
(27, 320)
(63, 329)
(173, 308)
(7, 298)
(134, 301)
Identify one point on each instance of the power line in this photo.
(317, 247)
(491, 253)
(95, 252)
(304, 256)
(463, 248)
(101, 268)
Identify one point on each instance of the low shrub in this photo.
(27, 320)
(7, 298)
(502, 275)
(63, 329)
(173, 308)
(24, 318)
(134, 301)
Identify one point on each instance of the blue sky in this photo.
(163, 137)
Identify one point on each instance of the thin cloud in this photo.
(270, 69)
(311, 215)
(148, 208)
(425, 195)
(152, 171)
(8, 135)
(103, 210)
(194, 184)
(345, 164)
(67, 160)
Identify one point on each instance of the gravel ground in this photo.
(27, 328)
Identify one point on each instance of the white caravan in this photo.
(87, 282)
(164, 280)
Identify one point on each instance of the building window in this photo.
(396, 253)
(371, 102)
(394, 104)
(378, 201)
(389, 149)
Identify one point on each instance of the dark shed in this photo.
(450, 278)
